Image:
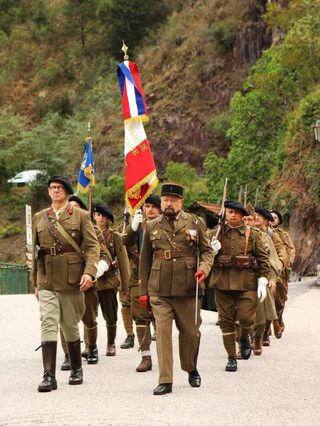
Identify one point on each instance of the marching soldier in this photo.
(62, 272)
(131, 239)
(266, 311)
(240, 276)
(172, 244)
(282, 291)
(91, 299)
(109, 282)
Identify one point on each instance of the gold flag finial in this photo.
(124, 48)
(89, 128)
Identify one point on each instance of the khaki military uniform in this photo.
(58, 268)
(139, 314)
(115, 278)
(234, 278)
(282, 284)
(168, 263)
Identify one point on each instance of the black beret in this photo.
(264, 212)
(79, 201)
(153, 199)
(171, 188)
(64, 181)
(231, 204)
(279, 216)
(103, 209)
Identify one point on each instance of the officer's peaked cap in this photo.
(278, 214)
(64, 181)
(103, 209)
(265, 213)
(172, 188)
(231, 204)
(153, 199)
(78, 200)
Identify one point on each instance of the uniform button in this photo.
(174, 260)
(173, 235)
(173, 242)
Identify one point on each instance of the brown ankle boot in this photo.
(145, 364)
(257, 345)
(277, 329)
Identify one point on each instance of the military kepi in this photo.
(64, 181)
(171, 188)
(103, 209)
(230, 204)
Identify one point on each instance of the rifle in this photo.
(245, 201)
(256, 198)
(240, 194)
(222, 214)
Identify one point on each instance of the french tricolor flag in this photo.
(133, 103)
(140, 170)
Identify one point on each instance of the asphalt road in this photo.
(282, 387)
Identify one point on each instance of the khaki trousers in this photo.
(182, 310)
(64, 307)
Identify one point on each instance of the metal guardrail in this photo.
(14, 278)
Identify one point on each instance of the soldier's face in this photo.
(249, 220)
(261, 221)
(171, 205)
(101, 220)
(57, 192)
(276, 220)
(151, 211)
(234, 217)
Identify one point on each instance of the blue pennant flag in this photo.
(86, 174)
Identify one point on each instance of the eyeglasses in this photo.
(56, 187)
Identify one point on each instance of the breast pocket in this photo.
(155, 241)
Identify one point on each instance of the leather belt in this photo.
(172, 254)
(55, 250)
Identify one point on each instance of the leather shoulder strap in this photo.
(67, 237)
(247, 235)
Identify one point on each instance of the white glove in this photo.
(103, 267)
(216, 245)
(136, 220)
(262, 288)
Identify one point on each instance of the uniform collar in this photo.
(241, 229)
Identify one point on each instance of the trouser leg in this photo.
(164, 313)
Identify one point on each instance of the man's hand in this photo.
(85, 282)
(136, 220)
(216, 245)
(200, 275)
(273, 287)
(124, 294)
(103, 267)
(144, 301)
(262, 288)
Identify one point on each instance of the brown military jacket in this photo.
(289, 246)
(233, 244)
(168, 258)
(275, 264)
(64, 271)
(280, 247)
(111, 279)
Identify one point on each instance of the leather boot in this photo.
(92, 357)
(66, 366)
(128, 343)
(257, 345)
(266, 334)
(76, 375)
(49, 355)
(145, 364)
(231, 364)
(111, 347)
(277, 329)
(245, 347)
(84, 353)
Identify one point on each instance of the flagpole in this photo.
(90, 186)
